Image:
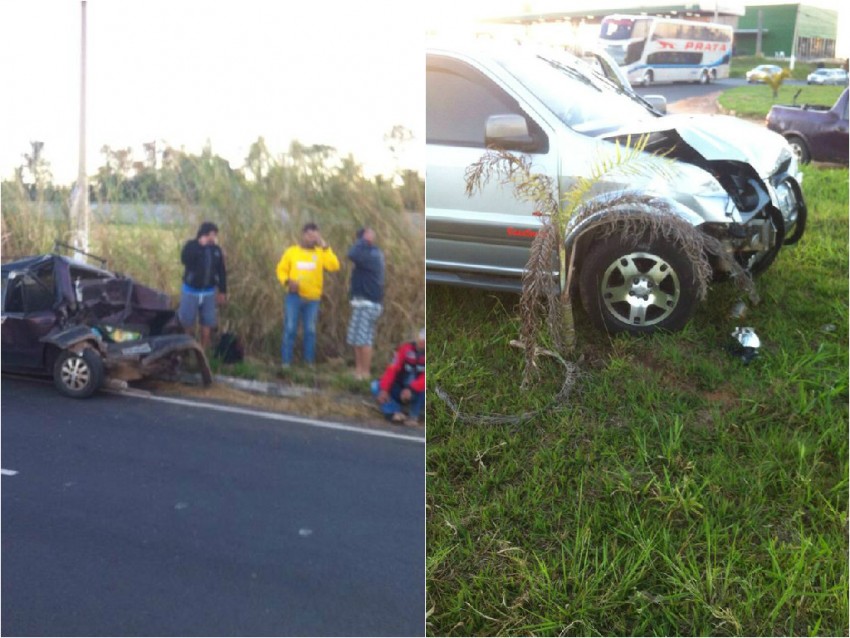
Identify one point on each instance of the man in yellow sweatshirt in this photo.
(300, 272)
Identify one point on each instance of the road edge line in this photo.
(328, 425)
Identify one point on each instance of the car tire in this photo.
(647, 78)
(799, 148)
(629, 284)
(78, 374)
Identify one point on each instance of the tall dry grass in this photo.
(260, 210)
(29, 226)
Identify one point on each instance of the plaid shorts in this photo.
(364, 316)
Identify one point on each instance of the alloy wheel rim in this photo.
(75, 373)
(640, 289)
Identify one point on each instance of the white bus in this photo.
(654, 49)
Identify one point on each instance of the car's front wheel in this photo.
(78, 374)
(634, 285)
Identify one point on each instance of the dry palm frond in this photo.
(537, 286)
(514, 170)
(571, 378)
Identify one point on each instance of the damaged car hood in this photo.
(713, 137)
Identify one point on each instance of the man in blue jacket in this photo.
(367, 296)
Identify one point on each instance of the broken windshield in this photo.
(582, 101)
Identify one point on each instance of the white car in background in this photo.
(836, 77)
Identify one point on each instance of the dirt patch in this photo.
(705, 104)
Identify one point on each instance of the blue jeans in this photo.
(296, 309)
(394, 404)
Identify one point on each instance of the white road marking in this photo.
(8, 472)
(329, 425)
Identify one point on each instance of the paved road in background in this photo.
(128, 516)
(683, 91)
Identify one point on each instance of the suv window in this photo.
(29, 292)
(459, 99)
(17, 293)
(13, 295)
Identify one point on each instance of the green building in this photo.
(782, 25)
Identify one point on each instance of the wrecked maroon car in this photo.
(813, 131)
(85, 325)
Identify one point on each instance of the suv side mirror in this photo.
(509, 132)
(658, 102)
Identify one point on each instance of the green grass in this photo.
(755, 100)
(679, 492)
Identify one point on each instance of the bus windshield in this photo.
(617, 28)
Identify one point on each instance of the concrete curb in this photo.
(723, 111)
(267, 388)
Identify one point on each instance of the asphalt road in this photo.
(133, 517)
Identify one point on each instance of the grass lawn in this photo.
(755, 100)
(680, 492)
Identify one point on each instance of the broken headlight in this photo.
(786, 199)
(119, 335)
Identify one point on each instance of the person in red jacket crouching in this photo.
(403, 383)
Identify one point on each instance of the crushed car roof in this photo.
(35, 261)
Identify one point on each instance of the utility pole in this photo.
(794, 38)
(80, 212)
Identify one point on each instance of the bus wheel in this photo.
(705, 78)
(647, 78)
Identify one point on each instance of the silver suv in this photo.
(734, 180)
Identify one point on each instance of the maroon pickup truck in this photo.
(814, 132)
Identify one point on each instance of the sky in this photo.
(192, 72)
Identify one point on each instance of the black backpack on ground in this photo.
(229, 348)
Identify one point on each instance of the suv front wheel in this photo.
(634, 285)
